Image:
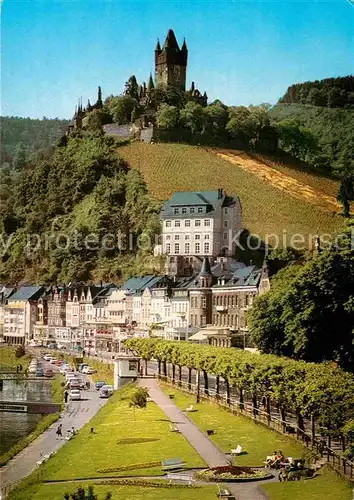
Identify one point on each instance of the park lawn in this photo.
(8, 358)
(326, 486)
(231, 430)
(89, 453)
(57, 491)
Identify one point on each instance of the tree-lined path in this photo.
(200, 442)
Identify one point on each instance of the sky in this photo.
(242, 52)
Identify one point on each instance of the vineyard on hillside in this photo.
(266, 209)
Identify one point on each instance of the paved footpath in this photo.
(76, 414)
(209, 452)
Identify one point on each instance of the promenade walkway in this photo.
(200, 442)
(76, 414)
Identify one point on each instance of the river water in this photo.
(14, 426)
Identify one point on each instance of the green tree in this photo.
(81, 494)
(132, 88)
(121, 108)
(192, 115)
(139, 398)
(20, 157)
(167, 116)
(309, 311)
(216, 117)
(242, 124)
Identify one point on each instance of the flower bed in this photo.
(129, 467)
(230, 473)
(147, 483)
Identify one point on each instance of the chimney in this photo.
(101, 284)
(220, 193)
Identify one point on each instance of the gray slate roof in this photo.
(28, 293)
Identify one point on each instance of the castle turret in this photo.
(171, 63)
(205, 275)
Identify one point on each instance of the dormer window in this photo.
(192, 210)
(176, 211)
(184, 210)
(168, 223)
(200, 210)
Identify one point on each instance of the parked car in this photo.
(81, 366)
(47, 357)
(75, 394)
(48, 372)
(52, 346)
(59, 362)
(64, 369)
(39, 372)
(106, 391)
(71, 375)
(99, 384)
(88, 370)
(53, 361)
(75, 384)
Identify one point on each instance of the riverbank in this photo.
(57, 394)
(8, 358)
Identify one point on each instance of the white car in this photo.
(88, 370)
(70, 375)
(106, 391)
(47, 357)
(53, 361)
(64, 369)
(75, 394)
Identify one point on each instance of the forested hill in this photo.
(66, 218)
(22, 138)
(330, 93)
(322, 137)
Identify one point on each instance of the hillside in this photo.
(27, 136)
(266, 208)
(332, 130)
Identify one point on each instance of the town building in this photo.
(5, 294)
(21, 314)
(198, 224)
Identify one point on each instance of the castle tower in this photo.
(171, 63)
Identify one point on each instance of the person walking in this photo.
(66, 395)
(59, 431)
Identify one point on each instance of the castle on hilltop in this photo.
(170, 73)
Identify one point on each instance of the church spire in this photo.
(184, 45)
(150, 84)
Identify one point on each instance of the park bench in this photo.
(190, 408)
(172, 463)
(237, 450)
(180, 477)
(173, 428)
(225, 493)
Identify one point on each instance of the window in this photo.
(192, 210)
(168, 237)
(204, 301)
(197, 236)
(225, 223)
(168, 223)
(177, 223)
(225, 211)
(184, 210)
(132, 366)
(176, 236)
(168, 248)
(200, 210)
(206, 236)
(176, 211)
(206, 222)
(202, 321)
(187, 223)
(187, 248)
(197, 248)
(225, 236)
(176, 247)
(186, 237)
(197, 223)
(206, 248)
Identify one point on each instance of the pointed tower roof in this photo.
(206, 269)
(150, 84)
(170, 42)
(158, 46)
(184, 46)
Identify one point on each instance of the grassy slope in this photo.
(8, 358)
(87, 454)
(50, 492)
(326, 486)
(258, 441)
(266, 209)
(231, 430)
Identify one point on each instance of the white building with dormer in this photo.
(199, 224)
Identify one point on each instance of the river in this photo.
(15, 426)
